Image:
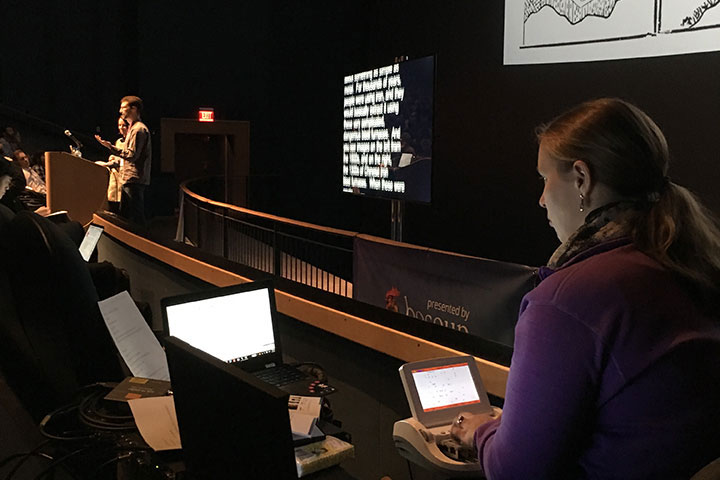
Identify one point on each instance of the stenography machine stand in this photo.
(437, 391)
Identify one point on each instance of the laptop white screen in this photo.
(232, 327)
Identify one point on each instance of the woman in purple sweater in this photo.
(616, 366)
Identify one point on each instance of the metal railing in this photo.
(312, 255)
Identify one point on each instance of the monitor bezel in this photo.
(444, 416)
(402, 197)
(251, 364)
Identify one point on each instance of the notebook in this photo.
(237, 325)
(90, 241)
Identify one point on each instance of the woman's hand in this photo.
(464, 426)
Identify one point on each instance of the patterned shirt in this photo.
(137, 155)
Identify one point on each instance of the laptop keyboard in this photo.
(281, 375)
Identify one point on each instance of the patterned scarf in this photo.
(610, 222)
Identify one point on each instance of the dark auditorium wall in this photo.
(280, 65)
(284, 73)
(66, 62)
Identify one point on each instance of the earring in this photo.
(582, 202)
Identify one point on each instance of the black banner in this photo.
(469, 294)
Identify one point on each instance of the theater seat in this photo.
(6, 216)
(711, 471)
(52, 336)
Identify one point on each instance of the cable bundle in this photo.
(84, 438)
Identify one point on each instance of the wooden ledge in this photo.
(364, 332)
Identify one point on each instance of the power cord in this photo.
(12, 457)
(313, 369)
(92, 415)
(60, 461)
(92, 425)
(68, 435)
(410, 469)
(23, 458)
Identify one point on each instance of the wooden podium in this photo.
(76, 185)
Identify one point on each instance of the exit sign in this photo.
(206, 115)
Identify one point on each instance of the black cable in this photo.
(24, 456)
(124, 453)
(118, 458)
(60, 461)
(64, 436)
(27, 455)
(67, 408)
(12, 457)
(103, 425)
(89, 413)
(95, 408)
(409, 469)
(316, 370)
(90, 416)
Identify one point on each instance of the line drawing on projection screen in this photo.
(556, 31)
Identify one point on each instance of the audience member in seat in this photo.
(33, 181)
(37, 164)
(5, 176)
(616, 362)
(33, 196)
(9, 141)
(16, 187)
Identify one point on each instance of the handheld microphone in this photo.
(77, 142)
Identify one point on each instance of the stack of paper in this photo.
(323, 454)
(304, 413)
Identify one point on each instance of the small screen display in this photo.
(445, 387)
(233, 327)
(90, 241)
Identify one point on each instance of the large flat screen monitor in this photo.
(388, 131)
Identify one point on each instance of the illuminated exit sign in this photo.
(206, 115)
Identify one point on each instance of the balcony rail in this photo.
(312, 255)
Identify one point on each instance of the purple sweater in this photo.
(615, 375)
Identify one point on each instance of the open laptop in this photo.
(90, 241)
(237, 325)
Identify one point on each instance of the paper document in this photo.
(306, 405)
(156, 419)
(300, 423)
(133, 337)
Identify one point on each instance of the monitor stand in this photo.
(396, 219)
